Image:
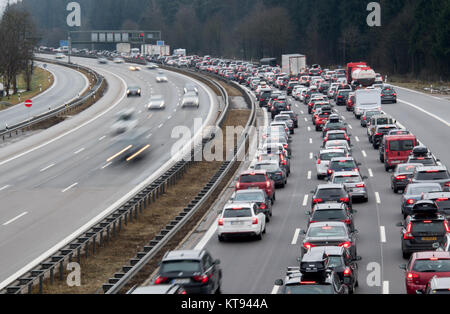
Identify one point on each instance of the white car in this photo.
(240, 219)
(156, 102)
(161, 78)
(342, 144)
(60, 56)
(118, 60)
(152, 66)
(323, 161)
(125, 121)
(190, 99)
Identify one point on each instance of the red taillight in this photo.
(447, 184)
(285, 146)
(254, 221)
(317, 200)
(160, 280)
(408, 235)
(268, 184)
(319, 162)
(346, 244)
(330, 172)
(400, 177)
(344, 200)
(220, 222)
(378, 134)
(202, 279)
(410, 201)
(447, 228)
(347, 272)
(412, 276)
(308, 245)
(362, 185)
(238, 185)
(347, 221)
(262, 206)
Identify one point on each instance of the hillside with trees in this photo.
(414, 37)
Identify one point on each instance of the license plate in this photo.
(237, 223)
(253, 188)
(429, 239)
(181, 281)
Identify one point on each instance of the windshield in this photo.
(406, 169)
(343, 164)
(327, 231)
(268, 167)
(335, 261)
(434, 266)
(401, 145)
(249, 197)
(428, 227)
(253, 178)
(180, 266)
(432, 175)
(237, 213)
(417, 190)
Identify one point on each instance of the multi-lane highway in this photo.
(57, 182)
(68, 84)
(251, 267)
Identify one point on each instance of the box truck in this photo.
(293, 64)
(367, 99)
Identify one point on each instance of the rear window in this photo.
(401, 145)
(237, 213)
(344, 164)
(433, 227)
(330, 193)
(388, 91)
(329, 214)
(267, 167)
(335, 261)
(406, 169)
(327, 231)
(339, 136)
(439, 175)
(329, 156)
(324, 115)
(265, 94)
(180, 266)
(416, 190)
(253, 179)
(250, 197)
(385, 130)
(426, 161)
(426, 265)
(346, 179)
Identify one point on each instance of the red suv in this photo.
(396, 149)
(257, 179)
(423, 266)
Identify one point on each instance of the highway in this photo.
(55, 183)
(67, 85)
(251, 267)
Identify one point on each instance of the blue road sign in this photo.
(64, 43)
(160, 43)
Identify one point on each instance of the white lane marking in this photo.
(140, 111)
(309, 129)
(5, 187)
(383, 234)
(101, 138)
(426, 112)
(305, 200)
(306, 120)
(357, 138)
(275, 290)
(385, 287)
(175, 110)
(297, 106)
(160, 126)
(170, 117)
(377, 197)
(350, 126)
(15, 218)
(310, 141)
(72, 130)
(364, 154)
(311, 155)
(107, 165)
(79, 151)
(46, 168)
(70, 187)
(309, 175)
(150, 135)
(343, 118)
(301, 111)
(295, 238)
(371, 173)
(208, 235)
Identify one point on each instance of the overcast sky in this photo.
(3, 4)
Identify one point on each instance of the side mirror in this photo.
(299, 259)
(365, 177)
(312, 192)
(402, 266)
(279, 282)
(359, 164)
(303, 232)
(400, 224)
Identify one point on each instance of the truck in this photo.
(155, 50)
(123, 48)
(180, 52)
(367, 99)
(359, 73)
(293, 64)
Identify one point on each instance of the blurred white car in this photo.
(125, 121)
(190, 99)
(152, 66)
(241, 219)
(118, 60)
(60, 56)
(161, 78)
(156, 102)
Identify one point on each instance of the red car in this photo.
(351, 102)
(256, 179)
(320, 119)
(423, 266)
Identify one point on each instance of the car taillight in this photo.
(267, 184)
(262, 206)
(362, 185)
(330, 172)
(378, 134)
(254, 221)
(400, 177)
(447, 228)
(344, 199)
(317, 200)
(410, 201)
(202, 279)
(447, 184)
(308, 245)
(220, 222)
(238, 185)
(346, 244)
(160, 280)
(408, 235)
(347, 221)
(285, 146)
(319, 162)
(412, 276)
(347, 272)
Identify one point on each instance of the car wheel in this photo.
(395, 190)
(264, 231)
(221, 238)
(219, 290)
(259, 236)
(405, 255)
(386, 167)
(268, 218)
(366, 199)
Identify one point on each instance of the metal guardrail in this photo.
(102, 231)
(120, 279)
(95, 93)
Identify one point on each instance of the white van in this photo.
(367, 99)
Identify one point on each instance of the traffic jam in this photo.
(329, 259)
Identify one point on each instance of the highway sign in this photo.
(160, 43)
(28, 103)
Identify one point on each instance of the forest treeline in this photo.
(414, 37)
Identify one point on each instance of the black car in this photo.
(329, 233)
(133, 91)
(279, 106)
(435, 174)
(413, 193)
(421, 155)
(195, 271)
(264, 97)
(274, 171)
(329, 193)
(158, 289)
(254, 196)
(342, 96)
(388, 94)
(402, 174)
(423, 228)
(341, 262)
(380, 132)
(284, 162)
(331, 212)
(312, 277)
(442, 200)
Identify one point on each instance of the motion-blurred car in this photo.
(134, 68)
(103, 61)
(156, 102)
(190, 88)
(125, 121)
(118, 60)
(190, 99)
(152, 66)
(134, 91)
(60, 56)
(161, 78)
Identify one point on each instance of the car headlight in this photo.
(128, 91)
(139, 91)
(162, 105)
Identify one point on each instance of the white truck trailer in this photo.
(293, 64)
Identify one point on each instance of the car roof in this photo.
(399, 137)
(239, 204)
(153, 289)
(342, 158)
(328, 223)
(326, 206)
(329, 186)
(431, 254)
(250, 172)
(249, 191)
(431, 168)
(336, 132)
(183, 254)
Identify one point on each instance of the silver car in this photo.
(156, 102)
(354, 183)
(343, 144)
(323, 161)
(190, 99)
